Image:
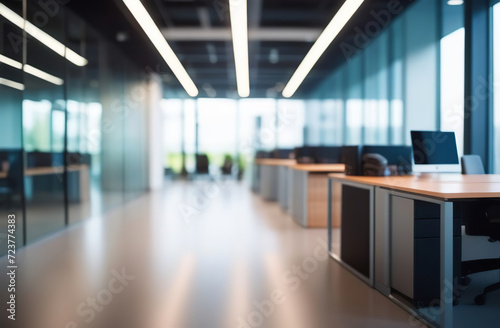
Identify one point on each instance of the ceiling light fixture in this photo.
(239, 30)
(43, 37)
(12, 84)
(43, 75)
(455, 2)
(148, 25)
(31, 70)
(10, 62)
(324, 40)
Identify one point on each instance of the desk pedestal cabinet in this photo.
(283, 186)
(268, 182)
(357, 229)
(309, 199)
(415, 250)
(308, 202)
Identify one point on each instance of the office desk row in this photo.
(382, 219)
(301, 189)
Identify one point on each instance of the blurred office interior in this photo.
(92, 118)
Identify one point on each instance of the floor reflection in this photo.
(219, 266)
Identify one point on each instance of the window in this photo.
(173, 133)
(217, 129)
(453, 73)
(290, 123)
(257, 125)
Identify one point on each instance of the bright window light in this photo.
(11, 84)
(324, 40)
(153, 32)
(239, 30)
(43, 37)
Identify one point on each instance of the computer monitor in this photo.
(327, 155)
(434, 151)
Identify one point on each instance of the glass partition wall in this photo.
(11, 132)
(72, 138)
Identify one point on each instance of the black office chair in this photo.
(481, 218)
(227, 166)
(202, 164)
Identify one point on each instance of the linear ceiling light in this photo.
(12, 84)
(148, 25)
(324, 40)
(42, 75)
(10, 62)
(43, 37)
(31, 70)
(239, 30)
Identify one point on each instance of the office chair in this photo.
(227, 166)
(472, 164)
(202, 164)
(480, 218)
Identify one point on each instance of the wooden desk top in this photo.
(319, 167)
(444, 186)
(46, 170)
(275, 161)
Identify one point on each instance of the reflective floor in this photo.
(198, 255)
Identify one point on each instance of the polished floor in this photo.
(201, 255)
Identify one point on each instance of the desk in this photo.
(308, 193)
(83, 191)
(382, 211)
(268, 170)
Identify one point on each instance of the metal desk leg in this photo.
(446, 264)
(329, 219)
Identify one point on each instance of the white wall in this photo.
(154, 125)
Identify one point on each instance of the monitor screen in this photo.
(435, 150)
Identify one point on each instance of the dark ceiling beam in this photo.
(254, 18)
